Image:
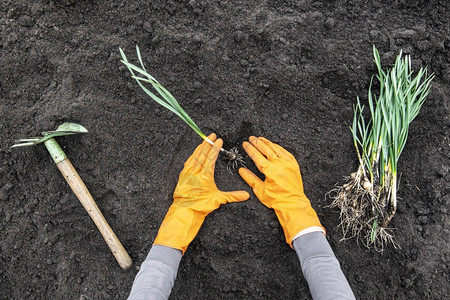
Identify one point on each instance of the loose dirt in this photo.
(286, 70)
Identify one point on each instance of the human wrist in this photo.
(179, 227)
(309, 230)
(296, 217)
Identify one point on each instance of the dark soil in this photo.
(286, 70)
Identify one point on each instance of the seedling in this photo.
(368, 200)
(166, 99)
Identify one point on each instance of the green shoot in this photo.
(369, 201)
(167, 100)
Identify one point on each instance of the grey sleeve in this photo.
(321, 268)
(157, 274)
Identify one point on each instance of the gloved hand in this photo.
(282, 190)
(195, 196)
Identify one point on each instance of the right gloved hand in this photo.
(282, 190)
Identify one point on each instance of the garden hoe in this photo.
(78, 186)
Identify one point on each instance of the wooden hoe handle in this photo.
(82, 193)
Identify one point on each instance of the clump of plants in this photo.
(167, 100)
(368, 199)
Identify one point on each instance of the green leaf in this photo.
(165, 99)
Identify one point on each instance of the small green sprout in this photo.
(167, 100)
(368, 201)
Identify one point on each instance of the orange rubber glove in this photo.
(282, 190)
(195, 196)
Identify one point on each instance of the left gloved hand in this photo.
(195, 196)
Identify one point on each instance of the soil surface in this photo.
(286, 70)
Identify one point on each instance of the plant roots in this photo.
(365, 211)
(234, 158)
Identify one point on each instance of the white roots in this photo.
(365, 211)
(234, 158)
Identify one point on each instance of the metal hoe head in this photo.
(64, 129)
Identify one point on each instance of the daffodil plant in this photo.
(368, 200)
(167, 100)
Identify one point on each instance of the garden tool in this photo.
(78, 186)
